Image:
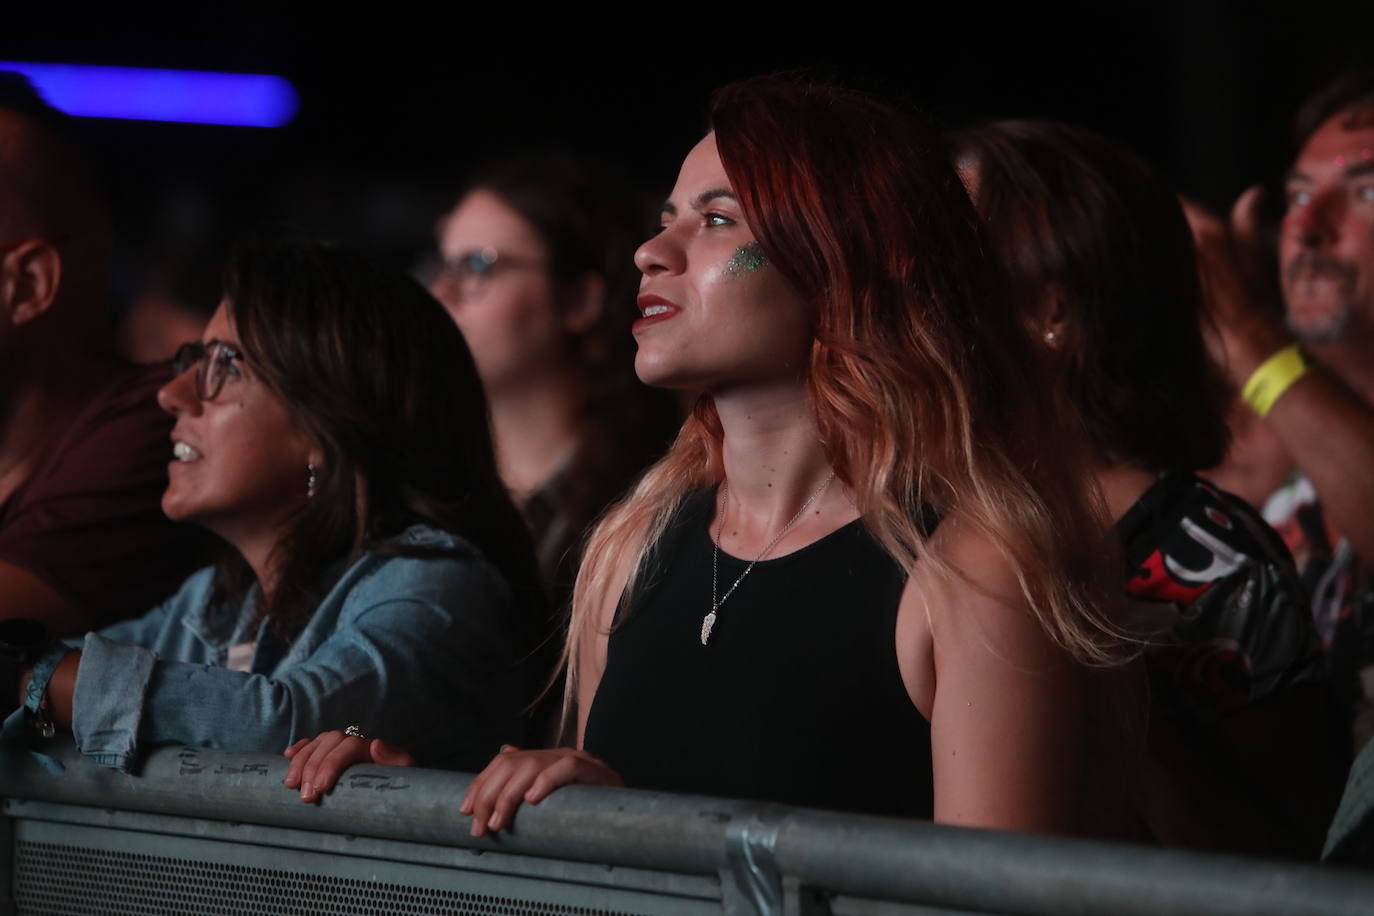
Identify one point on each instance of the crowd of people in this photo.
(880, 478)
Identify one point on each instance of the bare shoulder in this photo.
(965, 606)
(972, 598)
(1008, 708)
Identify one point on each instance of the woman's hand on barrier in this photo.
(316, 763)
(515, 776)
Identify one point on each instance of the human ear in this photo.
(584, 303)
(29, 279)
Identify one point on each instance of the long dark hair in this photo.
(1085, 222)
(370, 365)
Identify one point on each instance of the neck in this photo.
(42, 389)
(1351, 361)
(1122, 485)
(774, 460)
(259, 551)
(536, 429)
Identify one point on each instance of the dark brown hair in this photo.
(1351, 91)
(1088, 226)
(370, 365)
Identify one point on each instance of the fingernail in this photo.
(307, 792)
(494, 821)
(476, 828)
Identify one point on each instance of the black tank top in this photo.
(798, 698)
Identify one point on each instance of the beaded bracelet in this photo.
(1273, 377)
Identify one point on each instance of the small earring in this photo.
(310, 481)
(1050, 337)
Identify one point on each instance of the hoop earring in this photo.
(310, 481)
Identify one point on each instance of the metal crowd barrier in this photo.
(203, 831)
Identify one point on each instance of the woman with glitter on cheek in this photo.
(867, 576)
(716, 315)
(860, 580)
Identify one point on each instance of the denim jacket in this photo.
(423, 652)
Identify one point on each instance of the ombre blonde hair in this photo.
(927, 390)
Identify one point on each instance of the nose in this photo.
(1315, 224)
(660, 254)
(179, 396)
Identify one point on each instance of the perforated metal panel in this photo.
(61, 879)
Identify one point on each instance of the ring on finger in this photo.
(354, 731)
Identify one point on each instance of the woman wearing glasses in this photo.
(330, 428)
(537, 271)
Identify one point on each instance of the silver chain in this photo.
(709, 621)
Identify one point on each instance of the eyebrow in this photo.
(1354, 170)
(701, 200)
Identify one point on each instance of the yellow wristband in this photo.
(1273, 377)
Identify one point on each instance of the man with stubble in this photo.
(1306, 371)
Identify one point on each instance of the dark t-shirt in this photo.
(1242, 631)
(89, 520)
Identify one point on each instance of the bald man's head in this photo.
(48, 192)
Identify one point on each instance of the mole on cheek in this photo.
(746, 259)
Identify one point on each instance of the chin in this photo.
(179, 505)
(173, 508)
(670, 381)
(653, 372)
(1317, 322)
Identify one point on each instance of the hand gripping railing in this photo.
(759, 858)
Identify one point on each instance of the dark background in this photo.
(397, 106)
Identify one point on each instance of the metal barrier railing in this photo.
(209, 831)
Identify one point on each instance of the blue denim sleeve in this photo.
(110, 682)
(418, 653)
(117, 665)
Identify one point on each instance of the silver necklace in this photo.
(709, 621)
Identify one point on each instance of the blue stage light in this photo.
(145, 94)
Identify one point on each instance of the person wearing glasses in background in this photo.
(538, 272)
(385, 587)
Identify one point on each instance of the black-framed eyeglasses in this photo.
(470, 271)
(214, 362)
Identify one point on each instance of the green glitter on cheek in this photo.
(746, 259)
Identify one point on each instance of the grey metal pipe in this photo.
(995, 871)
(585, 823)
(880, 858)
